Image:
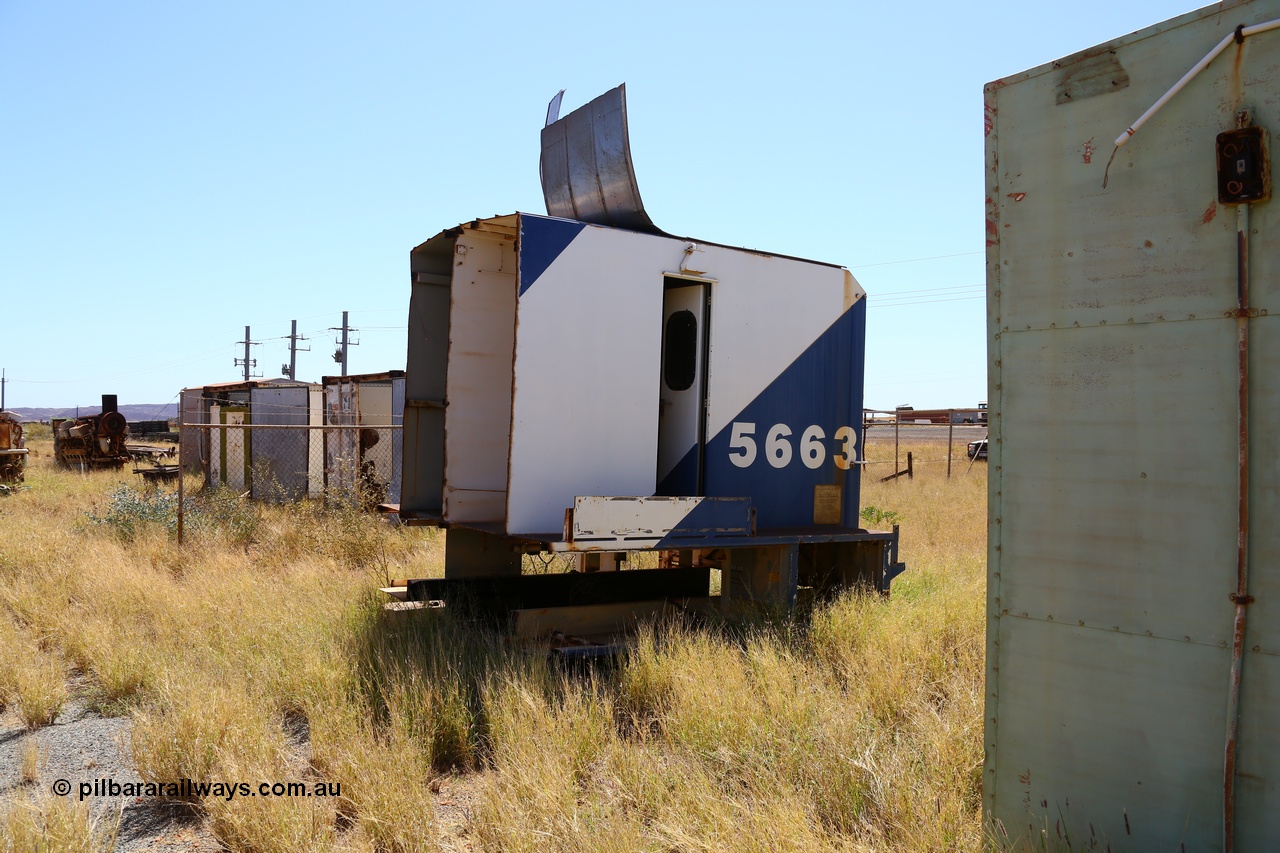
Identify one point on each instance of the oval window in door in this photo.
(680, 358)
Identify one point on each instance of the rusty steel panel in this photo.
(13, 448)
(1116, 391)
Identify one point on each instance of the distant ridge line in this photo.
(131, 411)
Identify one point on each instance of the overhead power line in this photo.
(915, 260)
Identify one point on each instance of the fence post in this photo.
(910, 472)
(951, 428)
(182, 475)
(897, 419)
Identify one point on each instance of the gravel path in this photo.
(80, 748)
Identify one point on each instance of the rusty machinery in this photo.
(92, 441)
(13, 450)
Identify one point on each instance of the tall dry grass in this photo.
(258, 651)
(47, 824)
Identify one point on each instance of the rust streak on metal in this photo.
(1241, 595)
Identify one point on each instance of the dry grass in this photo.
(47, 824)
(32, 762)
(258, 652)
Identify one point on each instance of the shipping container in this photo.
(1133, 660)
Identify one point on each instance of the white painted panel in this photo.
(315, 443)
(236, 447)
(474, 505)
(478, 389)
(655, 517)
(765, 312)
(585, 418)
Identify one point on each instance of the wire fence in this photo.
(360, 463)
(954, 438)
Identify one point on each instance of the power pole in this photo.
(340, 355)
(291, 369)
(246, 361)
(345, 328)
(3, 380)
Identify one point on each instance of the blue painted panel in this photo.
(682, 480)
(823, 388)
(541, 241)
(710, 519)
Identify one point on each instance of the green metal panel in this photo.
(1097, 725)
(1114, 426)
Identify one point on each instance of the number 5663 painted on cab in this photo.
(779, 452)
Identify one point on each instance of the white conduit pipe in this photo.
(1239, 33)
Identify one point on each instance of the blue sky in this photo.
(171, 172)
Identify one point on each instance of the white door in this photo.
(682, 407)
(235, 449)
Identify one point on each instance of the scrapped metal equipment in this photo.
(13, 449)
(93, 441)
(154, 462)
(711, 464)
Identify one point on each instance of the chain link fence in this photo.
(360, 463)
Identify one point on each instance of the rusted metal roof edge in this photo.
(1120, 41)
(384, 376)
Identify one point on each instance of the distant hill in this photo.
(131, 411)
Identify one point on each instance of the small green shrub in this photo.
(129, 512)
(212, 511)
(876, 515)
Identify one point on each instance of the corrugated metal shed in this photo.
(1114, 433)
